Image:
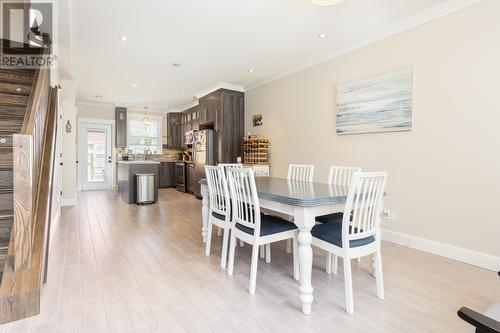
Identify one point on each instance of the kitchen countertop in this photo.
(139, 162)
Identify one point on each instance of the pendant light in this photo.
(146, 117)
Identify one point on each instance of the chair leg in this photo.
(242, 243)
(232, 250)
(379, 275)
(349, 301)
(335, 267)
(253, 269)
(296, 272)
(328, 265)
(262, 251)
(288, 246)
(209, 239)
(268, 253)
(223, 256)
(219, 232)
(374, 269)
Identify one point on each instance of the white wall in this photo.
(444, 175)
(69, 148)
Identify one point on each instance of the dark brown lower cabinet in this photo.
(167, 174)
(191, 178)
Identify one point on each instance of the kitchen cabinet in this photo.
(191, 178)
(175, 134)
(224, 111)
(121, 127)
(167, 174)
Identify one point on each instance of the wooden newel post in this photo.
(22, 230)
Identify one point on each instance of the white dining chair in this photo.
(299, 172)
(359, 234)
(338, 176)
(219, 209)
(224, 167)
(251, 226)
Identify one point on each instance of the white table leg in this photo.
(305, 221)
(204, 211)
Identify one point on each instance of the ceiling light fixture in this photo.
(133, 85)
(181, 92)
(326, 2)
(98, 96)
(251, 70)
(177, 65)
(123, 38)
(322, 35)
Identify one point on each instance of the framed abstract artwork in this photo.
(379, 104)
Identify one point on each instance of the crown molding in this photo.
(408, 23)
(220, 85)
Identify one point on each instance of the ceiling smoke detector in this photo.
(177, 65)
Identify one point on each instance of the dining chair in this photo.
(338, 176)
(251, 226)
(359, 234)
(224, 167)
(299, 172)
(302, 172)
(219, 209)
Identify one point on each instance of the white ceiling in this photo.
(216, 41)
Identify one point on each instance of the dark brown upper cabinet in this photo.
(121, 127)
(175, 133)
(224, 112)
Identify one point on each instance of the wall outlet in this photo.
(391, 215)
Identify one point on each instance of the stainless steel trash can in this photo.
(145, 188)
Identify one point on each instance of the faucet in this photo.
(148, 153)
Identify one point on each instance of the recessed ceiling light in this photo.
(133, 85)
(177, 65)
(251, 70)
(98, 96)
(181, 92)
(326, 2)
(322, 35)
(123, 38)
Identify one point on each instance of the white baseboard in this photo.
(68, 202)
(448, 251)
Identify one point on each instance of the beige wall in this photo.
(69, 173)
(444, 177)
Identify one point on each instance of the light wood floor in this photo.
(125, 268)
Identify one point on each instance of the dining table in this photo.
(303, 201)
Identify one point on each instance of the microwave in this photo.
(189, 138)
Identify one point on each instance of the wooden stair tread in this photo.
(15, 76)
(15, 88)
(13, 100)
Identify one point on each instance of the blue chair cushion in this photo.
(269, 225)
(332, 233)
(331, 218)
(219, 216)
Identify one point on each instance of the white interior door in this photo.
(95, 158)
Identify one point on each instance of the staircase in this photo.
(15, 90)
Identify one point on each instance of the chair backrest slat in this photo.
(301, 172)
(244, 197)
(340, 175)
(218, 191)
(363, 206)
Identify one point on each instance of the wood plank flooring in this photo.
(125, 268)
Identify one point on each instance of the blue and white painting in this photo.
(381, 104)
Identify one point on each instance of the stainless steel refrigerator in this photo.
(203, 154)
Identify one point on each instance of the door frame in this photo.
(109, 124)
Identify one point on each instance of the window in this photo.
(143, 135)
